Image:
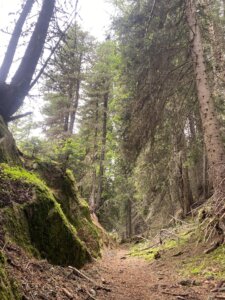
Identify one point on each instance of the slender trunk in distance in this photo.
(103, 149)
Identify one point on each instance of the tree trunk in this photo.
(188, 198)
(66, 123)
(211, 132)
(103, 149)
(8, 150)
(195, 171)
(205, 177)
(12, 96)
(11, 49)
(92, 199)
(74, 107)
(74, 104)
(129, 219)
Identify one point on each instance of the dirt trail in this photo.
(136, 279)
(116, 276)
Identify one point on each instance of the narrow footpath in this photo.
(134, 278)
(116, 276)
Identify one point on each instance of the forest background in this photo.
(124, 114)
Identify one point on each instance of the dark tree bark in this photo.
(205, 176)
(12, 95)
(92, 199)
(66, 122)
(103, 149)
(129, 219)
(188, 198)
(11, 49)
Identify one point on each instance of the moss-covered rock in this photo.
(76, 209)
(8, 288)
(38, 224)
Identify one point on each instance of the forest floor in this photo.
(116, 276)
(137, 279)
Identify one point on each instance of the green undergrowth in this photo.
(212, 264)
(192, 261)
(148, 251)
(38, 223)
(8, 287)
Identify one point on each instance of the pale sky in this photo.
(95, 15)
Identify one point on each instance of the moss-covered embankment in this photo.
(49, 223)
(64, 188)
(33, 219)
(186, 250)
(8, 287)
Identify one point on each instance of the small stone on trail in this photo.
(163, 286)
(123, 257)
(186, 282)
(210, 277)
(103, 281)
(157, 255)
(93, 292)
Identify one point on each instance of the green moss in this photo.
(17, 228)
(20, 174)
(142, 250)
(84, 207)
(39, 224)
(90, 235)
(207, 264)
(55, 237)
(8, 288)
(148, 254)
(75, 208)
(70, 176)
(63, 233)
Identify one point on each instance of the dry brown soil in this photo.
(136, 279)
(116, 276)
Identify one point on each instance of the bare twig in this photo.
(89, 295)
(213, 247)
(82, 275)
(175, 294)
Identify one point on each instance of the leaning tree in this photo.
(12, 95)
